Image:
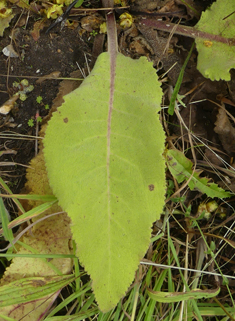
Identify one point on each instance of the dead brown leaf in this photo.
(37, 27)
(225, 131)
(52, 75)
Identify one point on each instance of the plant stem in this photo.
(185, 31)
(111, 28)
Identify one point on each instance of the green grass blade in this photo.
(34, 288)
(32, 197)
(31, 214)
(8, 235)
(194, 303)
(178, 83)
(6, 318)
(75, 317)
(45, 256)
(69, 299)
(6, 188)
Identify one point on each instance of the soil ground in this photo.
(61, 51)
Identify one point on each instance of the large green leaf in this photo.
(215, 58)
(103, 151)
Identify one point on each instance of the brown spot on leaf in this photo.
(151, 187)
(37, 283)
(65, 120)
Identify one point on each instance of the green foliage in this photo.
(39, 99)
(93, 33)
(30, 122)
(215, 58)
(78, 4)
(181, 168)
(6, 16)
(24, 88)
(103, 151)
